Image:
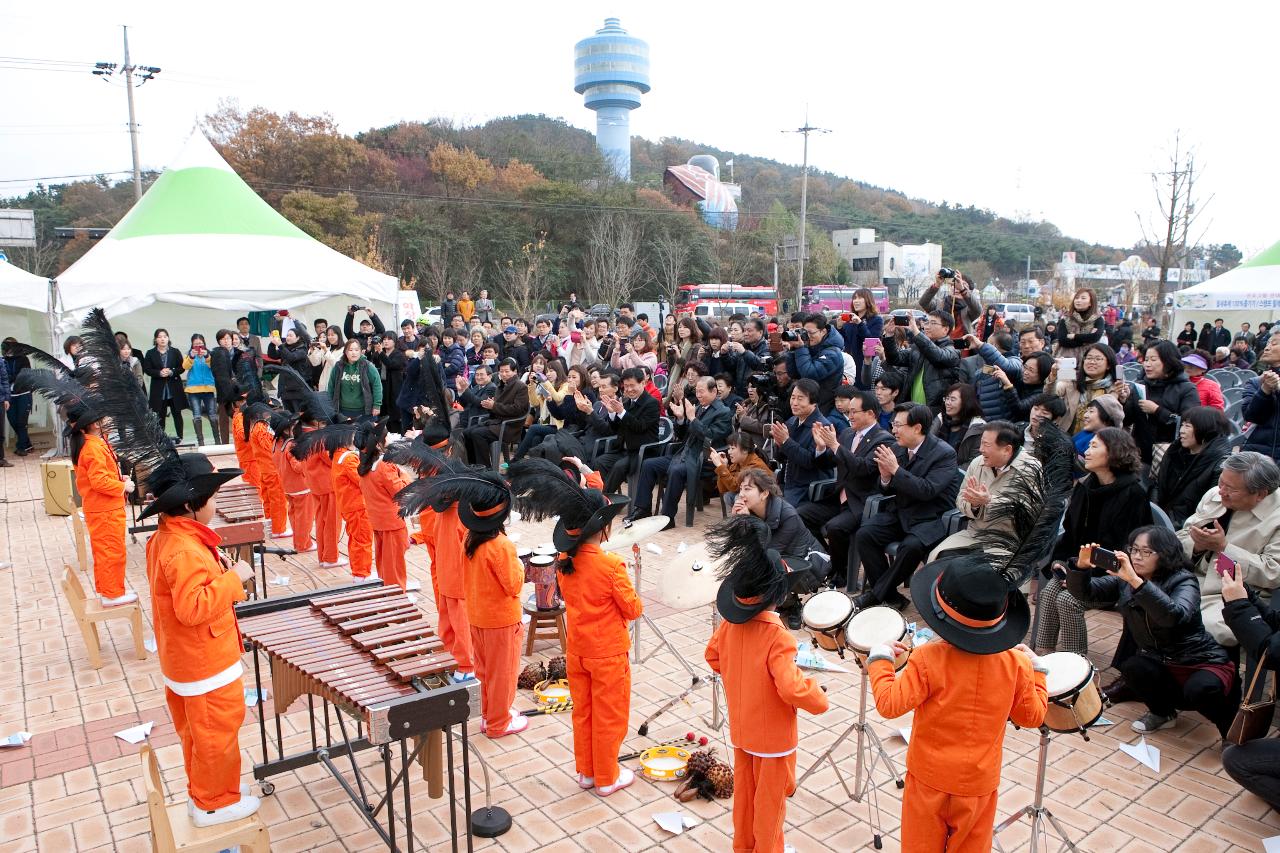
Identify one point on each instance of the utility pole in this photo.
(146, 72)
(804, 202)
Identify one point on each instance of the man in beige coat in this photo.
(1000, 456)
(1240, 518)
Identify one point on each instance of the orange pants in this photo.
(328, 526)
(359, 543)
(601, 692)
(760, 790)
(497, 652)
(106, 541)
(274, 506)
(302, 516)
(455, 630)
(250, 469)
(389, 547)
(934, 820)
(209, 728)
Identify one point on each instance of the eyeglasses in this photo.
(1141, 552)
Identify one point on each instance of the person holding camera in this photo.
(634, 351)
(932, 365)
(961, 304)
(861, 332)
(200, 388)
(750, 353)
(815, 353)
(1176, 663)
(368, 328)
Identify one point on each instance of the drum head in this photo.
(874, 626)
(541, 560)
(826, 609)
(1067, 672)
(524, 553)
(545, 548)
(688, 580)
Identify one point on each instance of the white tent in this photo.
(1250, 293)
(200, 249)
(24, 314)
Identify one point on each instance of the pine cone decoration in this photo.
(701, 761)
(558, 668)
(531, 675)
(721, 776)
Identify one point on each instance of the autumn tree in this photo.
(333, 220)
(461, 170)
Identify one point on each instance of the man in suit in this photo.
(794, 442)
(598, 423)
(471, 396)
(698, 426)
(511, 401)
(852, 455)
(920, 473)
(634, 419)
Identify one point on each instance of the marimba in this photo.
(367, 653)
(239, 521)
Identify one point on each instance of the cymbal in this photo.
(625, 535)
(688, 580)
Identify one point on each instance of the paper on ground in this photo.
(1271, 845)
(652, 549)
(808, 657)
(681, 548)
(1143, 752)
(412, 586)
(280, 580)
(137, 734)
(150, 644)
(252, 697)
(15, 739)
(1101, 722)
(675, 822)
(905, 733)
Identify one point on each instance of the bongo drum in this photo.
(542, 571)
(825, 615)
(876, 626)
(524, 554)
(1074, 700)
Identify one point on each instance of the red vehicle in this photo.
(691, 295)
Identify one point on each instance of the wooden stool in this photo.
(544, 625)
(89, 612)
(82, 546)
(172, 829)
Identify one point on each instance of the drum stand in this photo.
(1037, 811)
(698, 681)
(870, 752)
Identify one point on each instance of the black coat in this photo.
(856, 472)
(789, 536)
(639, 425)
(924, 488)
(222, 362)
(938, 360)
(471, 399)
(1100, 514)
(1184, 477)
(1162, 615)
(1261, 410)
(1256, 625)
(152, 363)
(1175, 398)
(295, 356)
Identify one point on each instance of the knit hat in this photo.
(1110, 408)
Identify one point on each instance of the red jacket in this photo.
(448, 564)
(1210, 392)
(293, 474)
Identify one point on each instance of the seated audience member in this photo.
(509, 402)
(1095, 376)
(1099, 413)
(591, 403)
(1240, 355)
(1175, 664)
(633, 417)
(795, 444)
(742, 453)
(1044, 407)
(1256, 627)
(759, 495)
(471, 395)
(1196, 364)
(991, 361)
(754, 414)
(698, 426)
(931, 366)
(1239, 518)
(724, 388)
(1258, 402)
(1167, 395)
(1020, 390)
(851, 453)
(1001, 457)
(888, 390)
(838, 417)
(1105, 506)
(1191, 465)
(960, 423)
(920, 474)
(1031, 341)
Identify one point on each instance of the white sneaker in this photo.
(191, 806)
(519, 722)
(127, 598)
(284, 534)
(245, 807)
(308, 550)
(625, 778)
(585, 782)
(339, 564)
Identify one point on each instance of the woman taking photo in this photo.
(1176, 665)
(1095, 376)
(327, 356)
(635, 351)
(164, 365)
(1080, 326)
(754, 414)
(354, 385)
(1036, 369)
(1164, 397)
(743, 454)
(201, 388)
(291, 352)
(960, 425)
(1191, 465)
(1105, 505)
(864, 324)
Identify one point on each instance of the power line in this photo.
(62, 177)
(145, 72)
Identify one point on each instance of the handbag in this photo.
(1254, 718)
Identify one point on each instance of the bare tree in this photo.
(1168, 236)
(668, 263)
(439, 256)
(522, 278)
(613, 264)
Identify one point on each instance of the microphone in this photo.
(271, 549)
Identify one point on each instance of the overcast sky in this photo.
(1054, 110)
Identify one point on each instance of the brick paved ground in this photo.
(77, 787)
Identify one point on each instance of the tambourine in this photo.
(551, 692)
(664, 763)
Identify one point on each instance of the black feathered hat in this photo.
(328, 439)
(753, 576)
(483, 497)
(431, 390)
(374, 435)
(425, 460)
(255, 413)
(435, 436)
(544, 490)
(316, 406)
(199, 481)
(247, 379)
(80, 405)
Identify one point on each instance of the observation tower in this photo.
(611, 72)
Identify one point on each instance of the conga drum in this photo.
(542, 571)
(1074, 700)
(878, 626)
(524, 554)
(825, 614)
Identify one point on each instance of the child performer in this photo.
(318, 470)
(976, 674)
(380, 482)
(270, 489)
(346, 486)
(293, 480)
(600, 603)
(755, 654)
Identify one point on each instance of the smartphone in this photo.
(1225, 566)
(1104, 559)
(1210, 524)
(869, 347)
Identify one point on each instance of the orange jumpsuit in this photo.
(449, 582)
(302, 505)
(495, 576)
(390, 535)
(244, 453)
(269, 487)
(319, 473)
(763, 688)
(199, 644)
(599, 602)
(962, 702)
(346, 488)
(102, 495)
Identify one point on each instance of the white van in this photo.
(722, 309)
(1019, 311)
